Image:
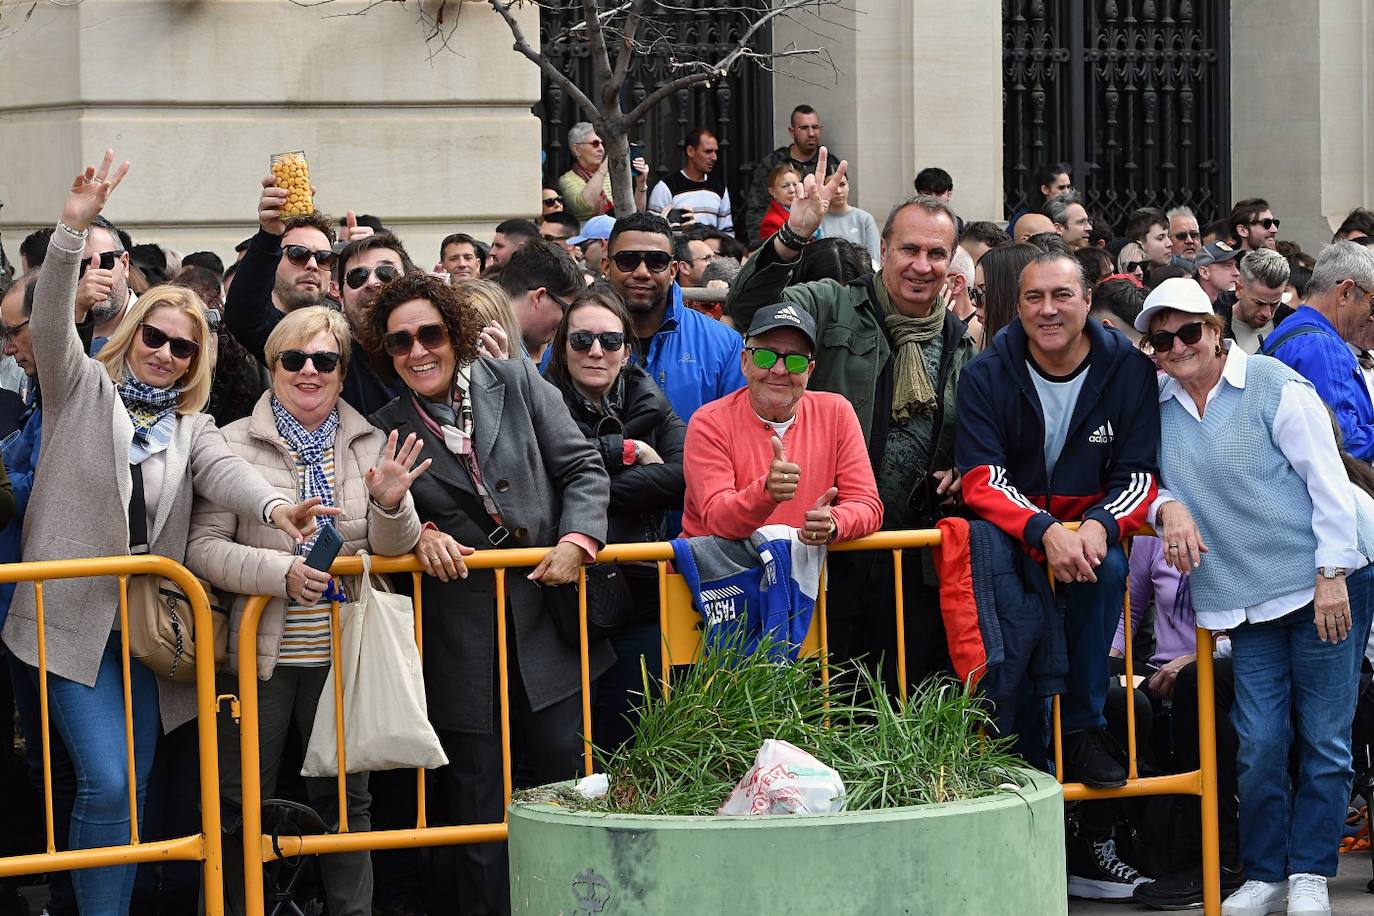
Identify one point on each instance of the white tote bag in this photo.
(386, 724)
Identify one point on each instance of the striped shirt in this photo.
(305, 637)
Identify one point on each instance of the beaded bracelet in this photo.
(791, 239)
(72, 232)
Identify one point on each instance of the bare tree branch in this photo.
(601, 63)
(523, 46)
(627, 45)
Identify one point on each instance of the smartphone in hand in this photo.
(326, 549)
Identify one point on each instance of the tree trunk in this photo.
(614, 134)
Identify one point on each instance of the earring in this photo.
(1220, 349)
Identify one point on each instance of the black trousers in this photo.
(546, 746)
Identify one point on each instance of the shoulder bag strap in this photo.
(138, 513)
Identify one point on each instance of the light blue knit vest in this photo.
(1251, 507)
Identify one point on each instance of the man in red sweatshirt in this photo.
(775, 453)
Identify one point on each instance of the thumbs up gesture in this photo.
(820, 526)
(783, 476)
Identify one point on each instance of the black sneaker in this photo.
(1089, 758)
(1095, 872)
(1183, 890)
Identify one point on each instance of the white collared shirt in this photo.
(1302, 431)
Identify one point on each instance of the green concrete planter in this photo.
(994, 855)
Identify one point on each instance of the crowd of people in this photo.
(569, 385)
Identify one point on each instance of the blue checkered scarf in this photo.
(309, 449)
(153, 412)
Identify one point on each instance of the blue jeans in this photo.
(90, 721)
(1284, 672)
(1092, 613)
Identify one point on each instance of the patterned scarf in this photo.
(454, 425)
(912, 391)
(309, 449)
(153, 412)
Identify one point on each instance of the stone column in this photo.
(198, 94)
(919, 83)
(1302, 113)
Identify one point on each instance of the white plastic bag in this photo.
(386, 722)
(786, 780)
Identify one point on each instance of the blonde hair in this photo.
(298, 326)
(779, 171)
(491, 303)
(195, 384)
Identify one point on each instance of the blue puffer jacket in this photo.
(693, 358)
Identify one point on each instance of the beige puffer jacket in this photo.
(242, 556)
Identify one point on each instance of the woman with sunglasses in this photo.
(628, 418)
(126, 426)
(1247, 446)
(586, 187)
(774, 453)
(510, 469)
(308, 443)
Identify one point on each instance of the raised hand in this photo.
(813, 200)
(390, 478)
(783, 476)
(89, 192)
(352, 231)
(270, 206)
(820, 524)
(298, 521)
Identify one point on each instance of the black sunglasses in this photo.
(975, 295)
(324, 361)
(430, 336)
(556, 199)
(1133, 266)
(611, 341)
(1267, 223)
(357, 276)
(154, 339)
(300, 256)
(1163, 341)
(627, 262)
(107, 262)
(1185, 236)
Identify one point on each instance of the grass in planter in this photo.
(690, 750)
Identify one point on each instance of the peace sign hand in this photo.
(813, 200)
(391, 477)
(89, 192)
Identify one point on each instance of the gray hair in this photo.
(101, 222)
(932, 205)
(1338, 262)
(580, 132)
(1057, 207)
(1266, 267)
(962, 264)
(1181, 211)
(720, 268)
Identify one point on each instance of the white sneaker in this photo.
(1257, 898)
(1307, 896)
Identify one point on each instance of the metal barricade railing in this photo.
(682, 637)
(203, 847)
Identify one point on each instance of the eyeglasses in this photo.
(627, 262)
(596, 143)
(8, 332)
(556, 199)
(611, 341)
(357, 277)
(430, 336)
(1267, 223)
(1133, 266)
(1368, 298)
(765, 358)
(154, 339)
(1188, 234)
(324, 361)
(1163, 341)
(556, 239)
(299, 255)
(976, 295)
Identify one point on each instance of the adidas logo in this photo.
(1102, 435)
(789, 312)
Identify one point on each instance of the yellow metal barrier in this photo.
(203, 847)
(680, 624)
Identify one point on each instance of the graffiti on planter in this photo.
(591, 891)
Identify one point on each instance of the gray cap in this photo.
(784, 315)
(1215, 253)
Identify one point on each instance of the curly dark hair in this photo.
(461, 319)
(315, 220)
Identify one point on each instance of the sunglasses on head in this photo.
(765, 358)
(324, 361)
(611, 341)
(430, 336)
(154, 339)
(299, 255)
(627, 262)
(1267, 223)
(357, 276)
(1163, 341)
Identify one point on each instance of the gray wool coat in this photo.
(547, 480)
(80, 502)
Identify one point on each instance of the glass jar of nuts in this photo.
(293, 174)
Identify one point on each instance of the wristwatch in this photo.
(1331, 572)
